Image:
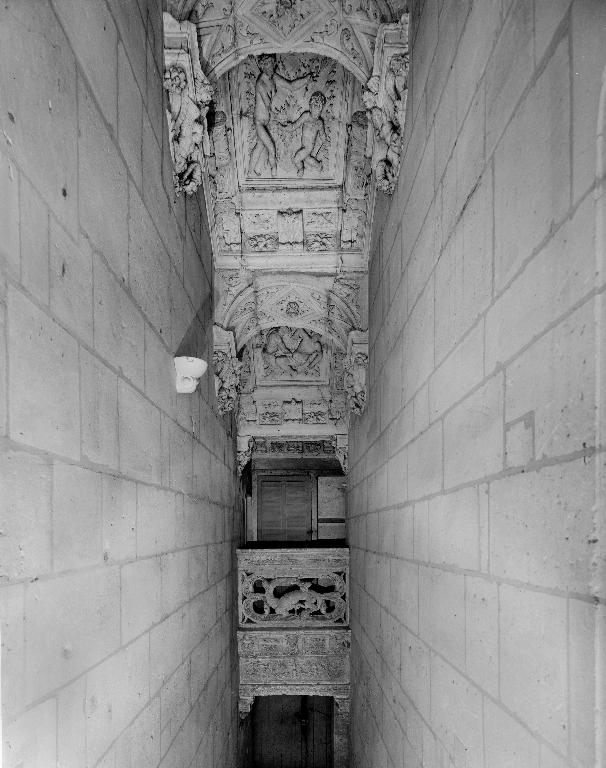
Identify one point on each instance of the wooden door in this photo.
(284, 505)
(292, 732)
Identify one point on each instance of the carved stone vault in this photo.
(290, 115)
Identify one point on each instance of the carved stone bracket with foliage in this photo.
(189, 95)
(227, 370)
(385, 96)
(356, 365)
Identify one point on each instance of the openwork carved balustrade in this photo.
(293, 588)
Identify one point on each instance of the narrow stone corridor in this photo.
(302, 401)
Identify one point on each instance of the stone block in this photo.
(31, 739)
(13, 648)
(131, 26)
(533, 667)
(155, 520)
(469, 152)
(547, 288)
(508, 745)
(116, 691)
(460, 372)
(403, 532)
(175, 580)
(587, 35)
(540, 524)
(563, 396)
(71, 624)
(44, 410)
(403, 594)
(119, 335)
(421, 530)
(456, 713)
(140, 597)
(10, 248)
(477, 41)
(583, 677)
(3, 372)
(519, 441)
(159, 372)
(414, 671)
(396, 479)
(532, 178)
(482, 633)
(418, 346)
(139, 745)
(197, 570)
(103, 186)
(119, 518)
(442, 613)
(99, 400)
(425, 253)
(34, 242)
(181, 457)
(139, 430)
(77, 517)
(454, 529)
(25, 512)
(473, 435)
(71, 282)
(93, 37)
(174, 698)
(425, 463)
(463, 276)
(166, 649)
(130, 117)
(509, 70)
(39, 113)
(149, 266)
(420, 410)
(71, 724)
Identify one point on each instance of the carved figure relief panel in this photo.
(290, 119)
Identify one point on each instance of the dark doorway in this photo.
(292, 732)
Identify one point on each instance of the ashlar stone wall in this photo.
(475, 510)
(116, 495)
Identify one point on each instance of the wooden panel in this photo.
(284, 509)
(292, 732)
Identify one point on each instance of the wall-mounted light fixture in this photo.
(189, 371)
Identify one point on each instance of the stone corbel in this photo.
(341, 450)
(246, 446)
(189, 95)
(227, 370)
(355, 365)
(384, 97)
(245, 705)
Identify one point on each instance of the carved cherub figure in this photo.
(265, 91)
(313, 134)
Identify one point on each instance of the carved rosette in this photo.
(189, 94)
(384, 97)
(356, 365)
(227, 370)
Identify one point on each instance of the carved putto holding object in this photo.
(384, 97)
(189, 95)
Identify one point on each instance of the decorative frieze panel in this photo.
(384, 97)
(306, 657)
(293, 588)
(189, 95)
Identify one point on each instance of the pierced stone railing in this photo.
(293, 588)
